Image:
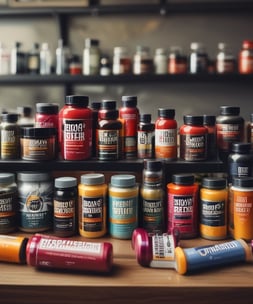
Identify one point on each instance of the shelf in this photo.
(27, 79)
(128, 283)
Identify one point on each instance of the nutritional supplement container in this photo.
(122, 62)
(245, 64)
(145, 137)
(92, 192)
(46, 115)
(13, 249)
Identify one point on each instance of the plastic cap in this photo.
(167, 113)
(152, 165)
(30, 176)
(244, 181)
(10, 117)
(241, 147)
(47, 108)
(129, 101)
(141, 246)
(123, 180)
(193, 120)
(77, 100)
(145, 117)
(214, 183)
(92, 179)
(7, 178)
(108, 104)
(229, 110)
(65, 182)
(209, 120)
(183, 179)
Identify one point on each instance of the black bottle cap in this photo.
(166, 113)
(240, 147)
(243, 181)
(193, 120)
(95, 105)
(152, 165)
(47, 108)
(77, 100)
(183, 179)
(108, 104)
(145, 118)
(209, 120)
(214, 183)
(129, 101)
(229, 110)
(10, 117)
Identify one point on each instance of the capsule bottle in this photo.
(145, 137)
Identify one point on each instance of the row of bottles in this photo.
(41, 60)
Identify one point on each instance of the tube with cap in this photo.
(13, 249)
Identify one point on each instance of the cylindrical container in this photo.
(145, 137)
(75, 66)
(143, 62)
(13, 249)
(154, 250)
(152, 195)
(230, 128)
(50, 252)
(45, 59)
(166, 135)
(129, 115)
(245, 64)
(109, 132)
(193, 139)
(240, 161)
(242, 201)
(76, 124)
(225, 61)
(209, 121)
(123, 206)
(92, 192)
(198, 58)
(95, 106)
(160, 61)
(9, 136)
(91, 57)
(213, 208)
(35, 198)
(46, 115)
(122, 62)
(177, 61)
(183, 194)
(65, 206)
(38, 143)
(8, 203)
(190, 260)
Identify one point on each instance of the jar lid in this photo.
(77, 100)
(193, 120)
(167, 113)
(141, 246)
(214, 183)
(47, 108)
(65, 182)
(92, 179)
(209, 120)
(183, 179)
(229, 110)
(10, 117)
(123, 180)
(95, 105)
(36, 132)
(7, 178)
(108, 104)
(153, 165)
(31, 176)
(25, 110)
(241, 147)
(145, 117)
(129, 101)
(111, 114)
(245, 181)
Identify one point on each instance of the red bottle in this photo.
(129, 115)
(75, 123)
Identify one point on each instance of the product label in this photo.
(108, 144)
(123, 216)
(152, 215)
(212, 213)
(145, 144)
(92, 213)
(9, 144)
(228, 133)
(163, 249)
(193, 147)
(182, 213)
(166, 143)
(64, 215)
(76, 139)
(7, 211)
(240, 169)
(39, 149)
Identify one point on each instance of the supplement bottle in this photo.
(65, 206)
(45, 59)
(33, 59)
(145, 137)
(245, 64)
(35, 199)
(160, 61)
(92, 192)
(209, 121)
(177, 61)
(193, 139)
(225, 61)
(240, 161)
(46, 115)
(10, 136)
(8, 203)
(183, 194)
(13, 249)
(143, 62)
(122, 62)
(213, 208)
(166, 135)
(75, 121)
(198, 58)
(230, 128)
(152, 196)
(91, 57)
(109, 132)
(123, 206)
(242, 198)
(129, 115)
(18, 62)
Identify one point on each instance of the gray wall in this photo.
(150, 30)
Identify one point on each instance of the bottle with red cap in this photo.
(245, 64)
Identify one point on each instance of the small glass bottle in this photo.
(145, 137)
(198, 58)
(122, 62)
(4, 60)
(33, 59)
(225, 61)
(17, 63)
(75, 66)
(160, 61)
(143, 62)
(245, 64)
(91, 57)
(10, 136)
(45, 59)
(65, 206)
(177, 61)
(61, 58)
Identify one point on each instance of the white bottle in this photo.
(4, 60)
(16, 63)
(91, 57)
(61, 60)
(45, 59)
(161, 61)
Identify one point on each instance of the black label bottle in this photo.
(145, 137)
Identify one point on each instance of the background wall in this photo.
(131, 30)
